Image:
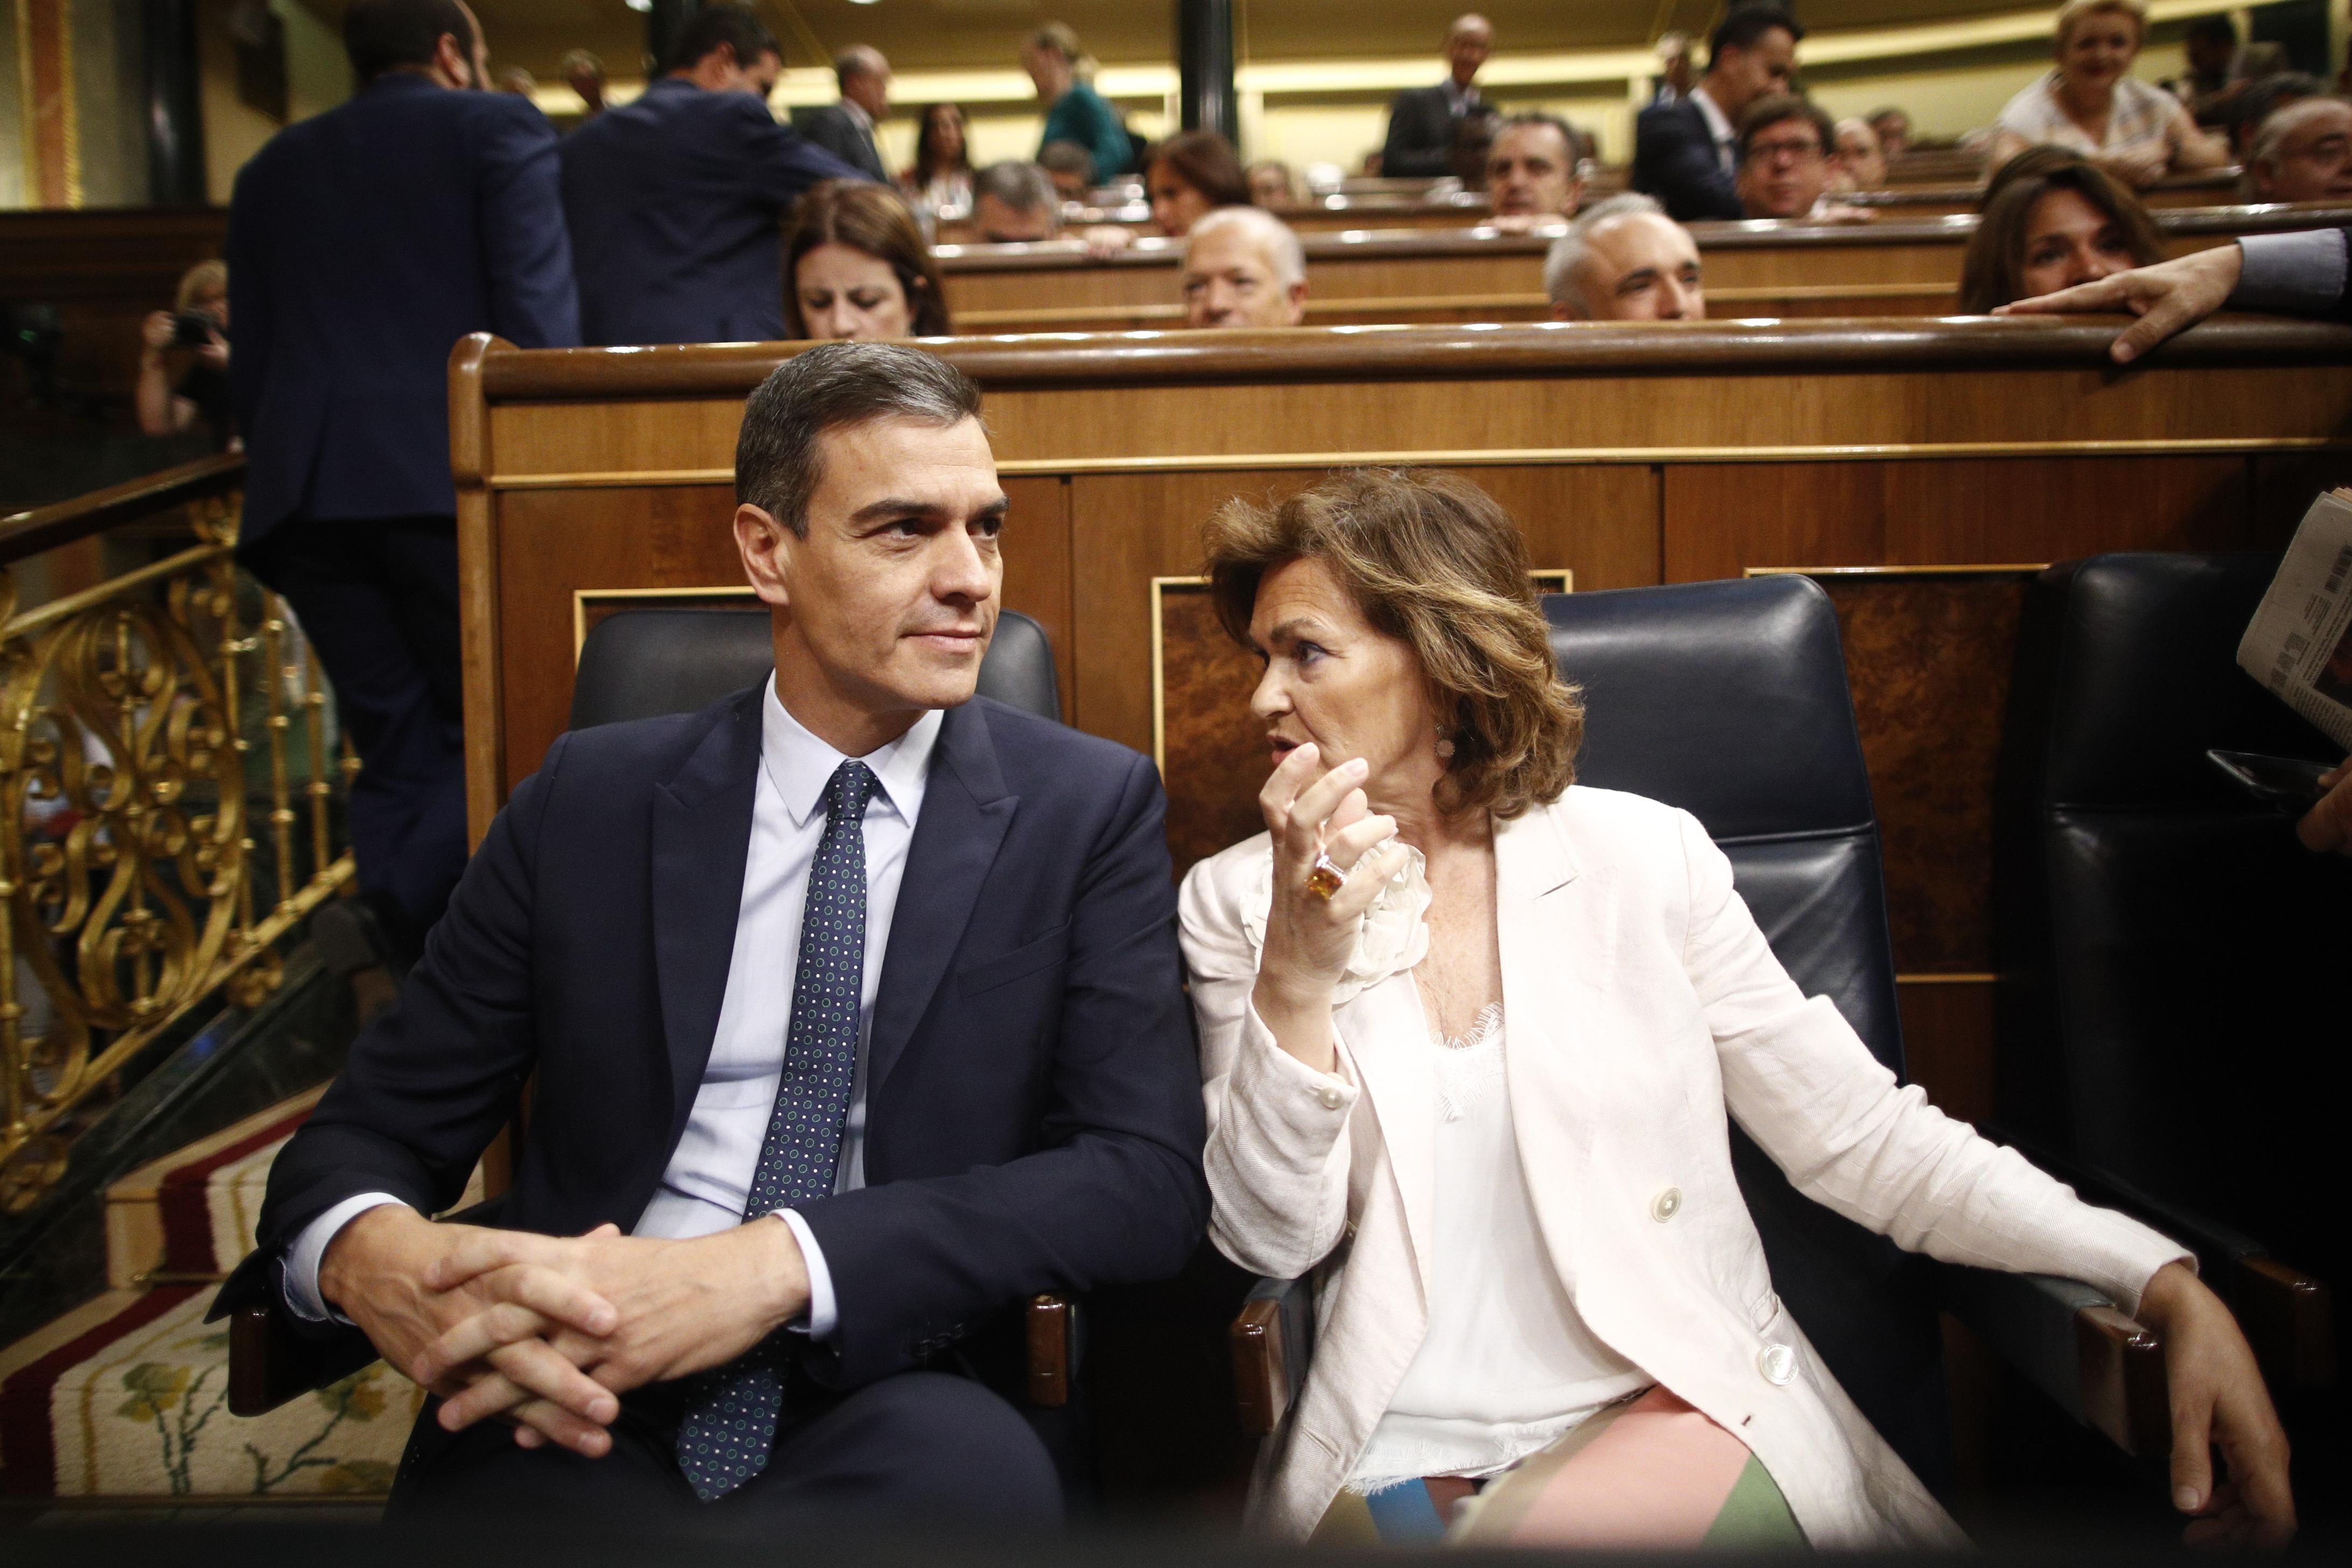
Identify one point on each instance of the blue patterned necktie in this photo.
(730, 1416)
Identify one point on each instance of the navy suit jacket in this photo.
(362, 244)
(1420, 132)
(676, 204)
(1675, 160)
(836, 130)
(1034, 1117)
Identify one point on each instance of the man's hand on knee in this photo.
(681, 1307)
(377, 1271)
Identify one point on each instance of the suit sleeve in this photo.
(832, 133)
(782, 162)
(1680, 169)
(2307, 274)
(247, 251)
(1407, 152)
(427, 1086)
(1114, 1194)
(1830, 1115)
(527, 249)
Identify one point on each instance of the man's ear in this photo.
(766, 547)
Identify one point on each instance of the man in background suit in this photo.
(675, 203)
(1421, 119)
(1686, 152)
(362, 244)
(854, 999)
(846, 129)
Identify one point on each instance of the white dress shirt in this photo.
(708, 1178)
(1719, 129)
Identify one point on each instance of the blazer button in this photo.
(1666, 1204)
(1778, 1365)
(1331, 1096)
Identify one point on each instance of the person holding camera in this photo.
(183, 361)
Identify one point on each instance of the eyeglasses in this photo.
(1798, 150)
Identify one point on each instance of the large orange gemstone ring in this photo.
(1324, 878)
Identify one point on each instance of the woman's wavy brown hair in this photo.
(871, 218)
(1434, 563)
(1992, 270)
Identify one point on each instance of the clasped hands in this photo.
(546, 1333)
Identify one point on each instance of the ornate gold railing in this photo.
(142, 720)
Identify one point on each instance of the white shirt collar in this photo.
(800, 766)
(1718, 125)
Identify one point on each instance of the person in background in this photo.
(942, 173)
(1893, 128)
(363, 243)
(1074, 110)
(2053, 219)
(183, 361)
(1422, 120)
(1785, 162)
(2264, 97)
(1189, 175)
(2304, 153)
(1243, 267)
(676, 203)
(1676, 70)
(1071, 168)
(1532, 172)
(846, 129)
(1465, 158)
(583, 73)
(1014, 204)
(1273, 183)
(2216, 76)
(518, 81)
(1861, 166)
(2306, 274)
(2091, 102)
(1687, 153)
(859, 269)
(1624, 259)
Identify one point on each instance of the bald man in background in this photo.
(1625, 260)
(1243, 267)
(1422, 120)
(846, 129)
(2304, 153)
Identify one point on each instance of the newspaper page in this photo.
(2300, 644)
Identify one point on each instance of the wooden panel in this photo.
(1599, 521)
(1947, 1044)
(554, 544)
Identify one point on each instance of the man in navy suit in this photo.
(362, 244)
(846, 129)
(854, 1011)
(675, 203)
(1422, 120)
(1686, 152)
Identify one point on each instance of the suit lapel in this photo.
(701, 844)
(965, 814)
(1386, 1032)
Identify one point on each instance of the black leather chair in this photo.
(1729, 699)
(635, 664)
(2172, 961)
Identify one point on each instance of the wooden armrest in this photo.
(2125, 1391)
(269, 1363)
(2290, 1318)
(1053, 1343)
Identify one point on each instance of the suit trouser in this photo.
(921, 1444)
(378, 599)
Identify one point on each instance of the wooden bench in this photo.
(1907, 267)
(2205, 187)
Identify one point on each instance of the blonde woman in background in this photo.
(2091, 102)
(183, 361)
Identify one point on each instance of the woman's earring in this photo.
(1444, 747)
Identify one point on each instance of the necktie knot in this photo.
(853, 784)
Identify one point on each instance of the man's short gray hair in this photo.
(825, 388)
(2283, 123)
(1564, 265)
(1282, 247)
(1024, 187)
(858, 59)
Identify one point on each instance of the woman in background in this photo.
(2092, 103)
(1187, 176)
(858, 266)
(183, 361)
(941, 177)
(2051, 219)
(1074, 110)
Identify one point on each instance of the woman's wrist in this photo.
(1301, 1025)
(2168, 1291)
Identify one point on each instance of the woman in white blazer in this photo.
(1472, 1039)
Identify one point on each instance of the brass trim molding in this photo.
(1988, 569)
(1196, 462)
(1940, 977)
(583, 598)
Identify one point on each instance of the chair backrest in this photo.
(635, 664)
(1729, 699)
(2171, 959)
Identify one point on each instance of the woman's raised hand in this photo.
(1313, 814)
